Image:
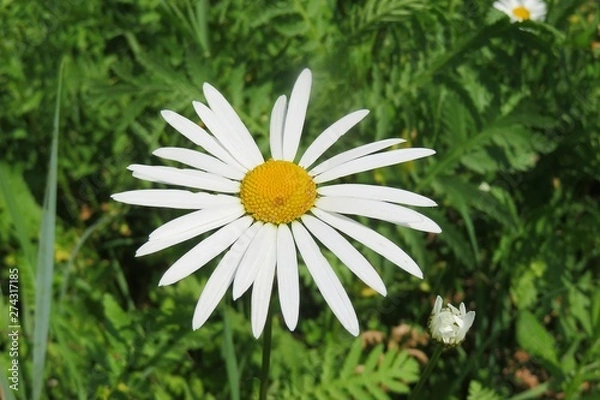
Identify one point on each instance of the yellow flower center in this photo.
(521, 13)
(278, 192)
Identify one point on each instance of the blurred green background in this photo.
(512, 110)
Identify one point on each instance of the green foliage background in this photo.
(512, 110)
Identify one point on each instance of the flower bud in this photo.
(449, 325)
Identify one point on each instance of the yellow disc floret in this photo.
(278, 192)
(521, 13)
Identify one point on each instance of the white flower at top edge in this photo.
(449, 325)
(263, 211)
(522, 10)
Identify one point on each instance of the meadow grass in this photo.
(512, 109)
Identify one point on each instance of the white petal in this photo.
(184, 177)
(501, 6)
(374, 192)
(226, 137)
(277, 121)
(173, 198)
(262, 287)
(205, 251)
(468, 321)
(347, 254)
(201, 161)
(230, 118)
(287, 276)
(253, 260)
(369, 208)
(537, 9)
(294, 120)
(425, 225)
(330, 136)
(373, 240)
(199, 136)
(328, 283)
(373, 161)
(353, 154)
(437, 306)
(195, 220)
(221, 278)
(213, 291)
(189, 226)
(511, 4)
(241, 246)
(379, 210)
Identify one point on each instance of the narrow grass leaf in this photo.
(26, 273)
(5, 389)
(45, 262)
(233, 373)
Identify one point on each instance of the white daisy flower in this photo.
(449, 325)
(522, 10)
(264, 210)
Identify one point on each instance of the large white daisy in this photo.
(522, 10)
(264, 210)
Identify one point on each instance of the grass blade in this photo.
(5, 391)
(13, 210)
(233, 373)
(26, 272)
(45, 262)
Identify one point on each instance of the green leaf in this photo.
(395, 386)
(457, 120)
(228, 350)
(595, 314)
(535, 339)
(24, 213)
(373, 358)
(357, 391)
(45, 263)
(478, 392)
(523, 290)
(5, 387)
(118, 318)
(19, 208)
(377, 393)
(336, 393)
(378, 13)
(524, 285)
(380, 373)
(352, 360)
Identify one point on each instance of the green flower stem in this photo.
(266, 358)
(430, 365)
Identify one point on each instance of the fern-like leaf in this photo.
(376, 13)
(381, 372)
(478, 392)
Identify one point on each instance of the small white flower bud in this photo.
(449, 325)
